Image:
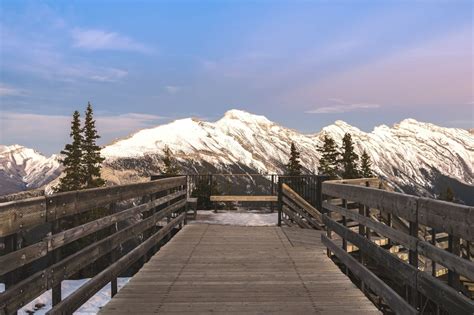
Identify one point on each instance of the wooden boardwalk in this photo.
(230, 269)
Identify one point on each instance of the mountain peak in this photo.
(242, 115)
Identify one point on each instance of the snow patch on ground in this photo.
(248, 218)
(43, 303)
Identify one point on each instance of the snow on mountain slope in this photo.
(408, 154)
(22, 168)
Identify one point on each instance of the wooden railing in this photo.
(295, 210)
(423, 287)
(98, 222)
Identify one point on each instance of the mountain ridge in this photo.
(408, 154)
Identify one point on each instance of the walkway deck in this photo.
(230, 269)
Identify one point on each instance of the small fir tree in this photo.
(328, 163)
(349, 158)
(72, 160)
(170, 164)
(366, 165)
(91, 152)
(293, 168)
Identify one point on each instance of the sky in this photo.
(302, 64)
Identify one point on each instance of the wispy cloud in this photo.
(6, 90)
(341, 106)
(93, 39)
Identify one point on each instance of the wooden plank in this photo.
(302, 213)
(16, 216)
(293, 196)
(31, 287)
(453, 262)
(86, 291)
(33, 252)
(402, 205)
(395, 235)
(239, 270)
(447, 217)
(431, 287)
(234, 198)
(293, 216)
(21, 215)
(69, 203)
(396, 302)
(456, 263)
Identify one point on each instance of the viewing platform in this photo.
(233, 269)
(327, 247)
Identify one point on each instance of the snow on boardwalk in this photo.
(208, 268)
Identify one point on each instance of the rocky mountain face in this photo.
(411, 155)
(24, 169)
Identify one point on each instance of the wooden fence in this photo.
(426, 219)
(136, 216)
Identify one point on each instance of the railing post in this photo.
(272, 192)
(319, 193)
(11, 245)
(413, 259)
(454, 248)
(280, 200)
(56, 289)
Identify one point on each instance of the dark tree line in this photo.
(334, 162)
(343, 162)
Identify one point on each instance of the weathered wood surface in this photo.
(434, 289)
(243, 198)
(298, 200)
(30, 253)
(230, 269)
(16, 216)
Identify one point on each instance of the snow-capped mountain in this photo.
(412, 155)
(22, 168)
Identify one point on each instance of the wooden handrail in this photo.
(16, 216)
(456, 220)
(166, 197)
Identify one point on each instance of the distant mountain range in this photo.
(415, 157)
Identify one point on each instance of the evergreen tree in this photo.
(293, 168)
(91, 152)
(366, 165)
(328, 163)
(349, 158)
(72, 161)
(170, 163)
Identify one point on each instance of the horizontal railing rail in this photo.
(83, 228)
(295, 210)
(421, 214)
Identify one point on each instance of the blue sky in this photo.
(303, 64)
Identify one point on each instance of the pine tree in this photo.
(349, 158)
(170, 164)
(91, 152)
(72, 161)
(293, 168)
(366, 165)
(328, 163)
